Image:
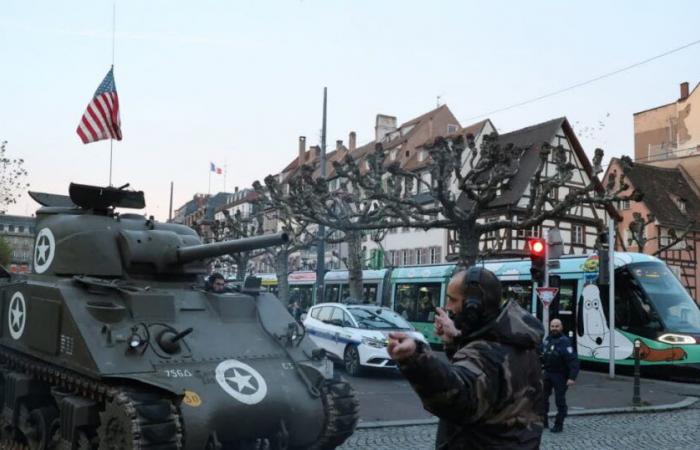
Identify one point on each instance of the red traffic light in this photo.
(536, 246)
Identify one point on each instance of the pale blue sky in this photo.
(238, 82)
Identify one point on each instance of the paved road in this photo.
(386, 396)
(653, 431)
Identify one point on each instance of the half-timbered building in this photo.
(673, 234)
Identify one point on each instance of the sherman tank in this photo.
(112, 342)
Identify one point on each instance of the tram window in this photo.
(417, 302)
(369, 293)
(567, 296)
(331, 293)
(520, 291)
(304, 295)
(632, 309)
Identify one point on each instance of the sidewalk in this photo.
(595, 393)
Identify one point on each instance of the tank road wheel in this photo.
(40, 427)
(138, 421)
(351, 358)
(341, 407)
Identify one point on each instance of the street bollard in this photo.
(636, 397)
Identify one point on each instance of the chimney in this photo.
(684, 90)
(235, 190)
(384, 125)
(338, 144)
(302, 149)
(316, 151)
(352, 141)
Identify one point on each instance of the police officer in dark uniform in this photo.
(560, 364)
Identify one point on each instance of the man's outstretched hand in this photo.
(401, 346)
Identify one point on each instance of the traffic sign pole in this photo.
(545, 307)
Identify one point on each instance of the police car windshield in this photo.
(676, 309)
(378, 319)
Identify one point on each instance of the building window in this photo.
(406, 257)
(491, 234)
(624, 205)
(419, 256)
(577, 234)
(435, 255)
(12, 228)
(452, 128)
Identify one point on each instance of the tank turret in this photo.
(84, 235)
(108, 342)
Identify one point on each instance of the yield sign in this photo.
(546, 295)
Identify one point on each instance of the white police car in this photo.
(356, 334)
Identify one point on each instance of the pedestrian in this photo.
(489, 393)
(560, 365)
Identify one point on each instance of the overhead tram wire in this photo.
(584, 83)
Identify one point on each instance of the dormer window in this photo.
(393, 154)
(452, 128)
(421, 155)
(679, 202)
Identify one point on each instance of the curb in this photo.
(686, 402)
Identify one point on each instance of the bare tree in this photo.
(638, 236)
(346, 211)
(12, 178)
(237, 226)
(301, 236)
(464, 182)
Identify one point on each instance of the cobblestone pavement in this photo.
(657, 431)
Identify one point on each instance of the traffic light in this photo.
(538, 257)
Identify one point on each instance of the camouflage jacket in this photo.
(489, 395)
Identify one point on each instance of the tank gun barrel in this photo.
(196, 252)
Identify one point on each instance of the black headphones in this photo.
(473, 306)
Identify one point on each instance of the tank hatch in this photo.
(102, 198)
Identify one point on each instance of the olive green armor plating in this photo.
(112, 342)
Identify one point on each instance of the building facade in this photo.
(19, 233)
(672, 232)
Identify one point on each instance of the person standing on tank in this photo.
(560, 364)
(489, 393)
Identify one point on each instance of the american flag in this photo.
(101, 117)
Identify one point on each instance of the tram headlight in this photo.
(671, 338)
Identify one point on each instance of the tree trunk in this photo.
(282, 270)
(354, 239)
(468, 246)
(241, 266)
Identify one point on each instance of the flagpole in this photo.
(114, 38)
(225, 170)
(209, 190)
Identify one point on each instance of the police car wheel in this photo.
(352, 361)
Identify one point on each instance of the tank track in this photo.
(131, 417)
(342, 409)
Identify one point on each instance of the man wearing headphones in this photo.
(489, 394)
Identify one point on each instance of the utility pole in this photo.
(321, 246)
(170, 211)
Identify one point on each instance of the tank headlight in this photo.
(374, 342)
(135, 341)
(670, 338)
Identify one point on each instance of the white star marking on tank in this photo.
(44, 250)
(18, 315)
(240, 380)
(250, 387)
